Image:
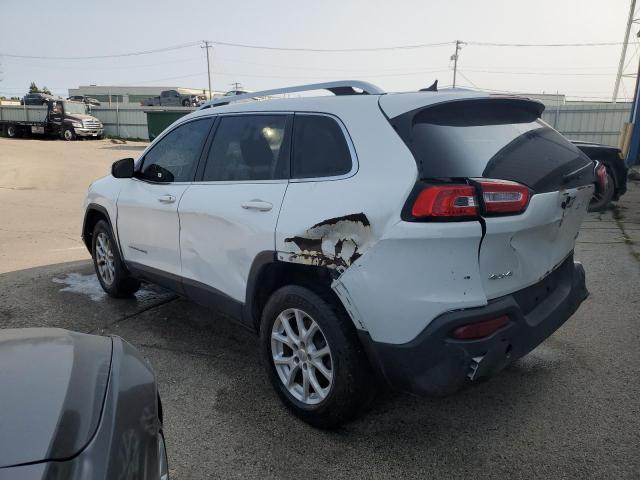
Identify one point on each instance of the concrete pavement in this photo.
(571, 409)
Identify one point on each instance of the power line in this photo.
(540, 73)
(302, 49)
(329, 50)
(128, 54)
(512, 92)
(590, 44)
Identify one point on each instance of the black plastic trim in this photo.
(250, 315)
(102, 210)
(164, 279)
(209, 296)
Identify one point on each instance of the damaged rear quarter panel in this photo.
(334, 243)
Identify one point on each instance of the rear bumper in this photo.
(434, 363)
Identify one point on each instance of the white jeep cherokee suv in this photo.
(423, 238)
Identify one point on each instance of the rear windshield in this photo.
(491, 139)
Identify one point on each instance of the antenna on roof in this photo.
(432, 88)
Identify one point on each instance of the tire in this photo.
(113, 276)
(350, 388)
(163, 463)
(68, 134)
(600, 201)
(13, 131)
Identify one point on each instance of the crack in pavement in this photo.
(134, 314)
(602, 243)
(178, 350)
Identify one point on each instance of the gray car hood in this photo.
(52, 389)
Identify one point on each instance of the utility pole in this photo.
(236, 86)
(454, 57)
(623, 55)
(208, 45)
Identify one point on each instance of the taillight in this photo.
(474, 331)
(503, 196)
(446, 201)
(603, 178)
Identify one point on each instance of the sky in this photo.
(92, 28)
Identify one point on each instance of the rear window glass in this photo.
(491, 139)
(319, 148)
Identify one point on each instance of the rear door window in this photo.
(320, 148)
(175, 157)
(491, 139)
(249, 147)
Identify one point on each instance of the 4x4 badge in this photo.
(500, 276)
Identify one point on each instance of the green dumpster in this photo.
(158, 120)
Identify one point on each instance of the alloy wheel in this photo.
(104, 258)
(302, 356)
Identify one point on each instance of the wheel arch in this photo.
(93, 214)
(268, 274)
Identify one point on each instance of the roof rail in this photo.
(341, 87)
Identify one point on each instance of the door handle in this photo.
(167, 199)
(257, 205)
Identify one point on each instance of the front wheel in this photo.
(313, 358)
(113, 277)
(69, 134)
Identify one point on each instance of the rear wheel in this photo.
(600, 200)
(12, 131)
(113, 277)
(313, 358)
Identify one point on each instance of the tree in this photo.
(46, 90)
(33, 88)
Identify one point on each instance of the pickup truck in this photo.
(174, 98)
(61, 118)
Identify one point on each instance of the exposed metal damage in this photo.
(334, 243)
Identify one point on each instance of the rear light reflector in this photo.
(504, 196)
(446, 201)
(474, 331)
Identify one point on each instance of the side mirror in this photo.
(122, 168)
